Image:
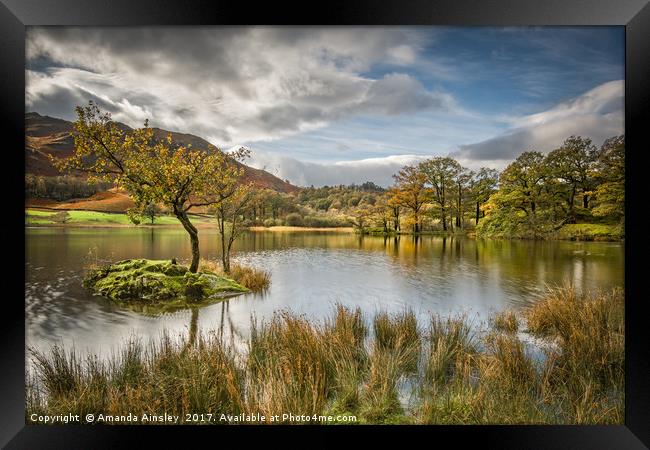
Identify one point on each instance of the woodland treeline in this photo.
(535, 195)
(63, 187)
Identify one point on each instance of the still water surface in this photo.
(310, 273)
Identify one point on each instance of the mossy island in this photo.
(146, 281)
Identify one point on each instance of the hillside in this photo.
(46, 135)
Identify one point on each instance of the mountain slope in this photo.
(46, 135)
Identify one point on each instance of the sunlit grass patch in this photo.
(591, 232)
(38, 217)
(84, 217)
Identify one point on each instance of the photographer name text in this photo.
(187, 418)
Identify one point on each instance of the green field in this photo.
(63, 217)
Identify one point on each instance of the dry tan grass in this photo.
(588, 363)
(505, 321)
(296, 365)
(255, 279)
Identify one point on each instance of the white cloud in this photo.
(402, 54)
(233, 85)
(302, 173)
(604, 99)
(227, 84)
(378, 170)
(597, 114)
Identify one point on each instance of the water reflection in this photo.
(310, 273)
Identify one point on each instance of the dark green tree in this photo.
(571, 167)
(482, 186)
(609, 171)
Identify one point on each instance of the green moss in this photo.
(591, 232)
(155, 281)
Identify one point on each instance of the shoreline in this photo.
(342, 230)
(284, 228)
(41, 218)
(197, 225)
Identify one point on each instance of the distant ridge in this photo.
(46, 135)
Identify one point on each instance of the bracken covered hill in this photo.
(46, 135)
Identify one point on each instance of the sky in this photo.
(339, 105)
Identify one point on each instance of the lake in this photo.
(310, 273)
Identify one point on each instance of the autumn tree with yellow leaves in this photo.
(152, 171)
(410, 192)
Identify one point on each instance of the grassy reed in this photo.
(587, 364)
(255, 279)
(288, 367)
(395, 354)
(294, 365)
(505, 321)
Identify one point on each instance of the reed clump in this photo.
(586, 366)
(505, 321)
(347, 357)
(457, 373)
(399, 335)
(253, 278)
(287, 364)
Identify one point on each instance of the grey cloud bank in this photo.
(301, 173)
(597, 114)
(229, 85)
(254, 85)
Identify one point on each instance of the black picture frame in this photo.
(16, 14)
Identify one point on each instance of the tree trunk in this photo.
(225, 260)
(571, 217)
(194, 237)
(459, 213)
(228, 248)
(478, 211)
(231, 239)
(444, 219)
(585, 200)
